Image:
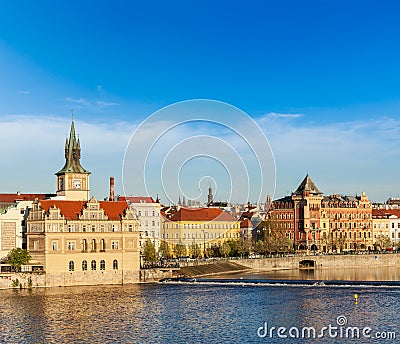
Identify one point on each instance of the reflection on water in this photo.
(380, 273)
(189, 313)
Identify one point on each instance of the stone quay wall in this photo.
(6, 280)
(64, 279)
(322, 261)
(157, 274)
(81, 278)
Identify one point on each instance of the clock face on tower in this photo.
(76, 184)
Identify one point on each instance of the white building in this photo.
(13, 227)
(394, 229)
(386, 223)
(148, 214)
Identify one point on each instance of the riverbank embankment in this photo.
(218, 267)
(322, 261)
(213, 268)
(290, 263)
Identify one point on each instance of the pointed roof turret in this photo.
(72, 136)
(72, 154)
(307, 186)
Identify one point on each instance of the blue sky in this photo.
(321, 78)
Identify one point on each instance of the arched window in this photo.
(102, 245)
(84, 245)
(71, 266)
(93, 265)
(84, 265)
(94, 245)
(102, 265)
(115, 264)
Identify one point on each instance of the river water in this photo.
(240, 308)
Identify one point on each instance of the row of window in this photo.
(93, 265)
(146, 213)
(282, 216)
(85, 246)
(350, 216)
(385, 225)
(153, 223)
(289, 216)
(283, 225)
(350, 225)
(344, 205)
(199, 236)
(351, 235)
(336, 225)
(199, 226)
(90, 228)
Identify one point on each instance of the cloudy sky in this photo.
(320, 78)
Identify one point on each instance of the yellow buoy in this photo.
(355, 299)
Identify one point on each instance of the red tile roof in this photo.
(201, 214)
(12, 198)
(72, 209)
(246, 223)
(137, 199)
(114, 210)
(69, 209)
(383, 213)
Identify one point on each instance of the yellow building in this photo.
(350, 222)
(204, 227)
(80, 241)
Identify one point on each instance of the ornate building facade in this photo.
(323, 224)
(298, 216)
(350, 222)
(82, 241)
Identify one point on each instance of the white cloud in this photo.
(346, 157)
(80, 101)
(33, 155)
(282, 115)
(102, 104)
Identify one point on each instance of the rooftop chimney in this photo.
(111, 188)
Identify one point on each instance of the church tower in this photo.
(73, 179)
(210, 196)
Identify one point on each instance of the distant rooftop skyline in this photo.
(319, 78)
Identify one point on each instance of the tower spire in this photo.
(210, 196)
(72, 153)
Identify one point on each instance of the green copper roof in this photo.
(72, 154)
